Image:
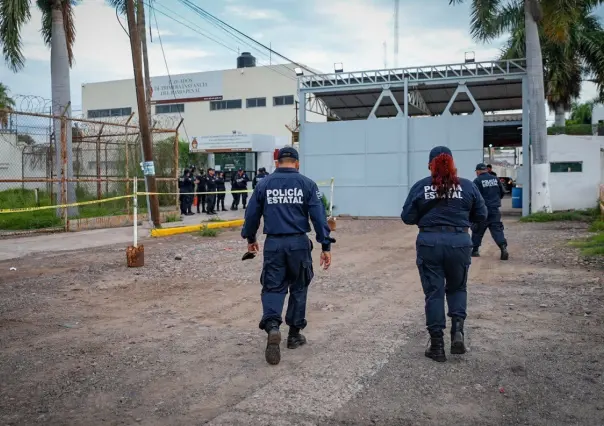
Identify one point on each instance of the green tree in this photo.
(567, 62)
(6, 104)
(580, 113)
(58, 32)
(491, 19)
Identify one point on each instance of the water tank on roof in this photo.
(246, 60)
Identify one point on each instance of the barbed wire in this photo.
(31, 103)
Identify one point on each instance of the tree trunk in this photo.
(61, 97)
(540, 198)
(560, 115)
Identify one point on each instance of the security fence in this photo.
(49, 160)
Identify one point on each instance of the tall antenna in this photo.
(396, 8)
(385, 55)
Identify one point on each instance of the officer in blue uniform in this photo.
(492, 191)
(444, 206)
(287, 200)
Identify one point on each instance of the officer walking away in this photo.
(211, 191)
(239, 183)
(490, 170)
(261, 175)
(492, 191)
(220, 188)
(444, 206)
(286, 199)
(200, 182)
(187, 189)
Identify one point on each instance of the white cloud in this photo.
(255, 14)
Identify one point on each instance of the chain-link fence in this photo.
(48, 160)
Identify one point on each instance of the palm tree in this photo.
(488, 21)
(6, 104)
(580, 113)
(58, 32)
(579, 56)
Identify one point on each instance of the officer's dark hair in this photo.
(444, 174)
(289, 160)
(489, 166)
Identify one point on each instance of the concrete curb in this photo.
(166, 232)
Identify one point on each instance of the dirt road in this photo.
(85, 341)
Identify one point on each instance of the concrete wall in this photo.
(257, 82)
(13, 166)
(375, 161)
(575, 190)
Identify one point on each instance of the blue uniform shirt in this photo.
(286, 199)
(491, 190)
(466, 205)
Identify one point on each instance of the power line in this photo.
(180, 22)
(206, 14)
(161, 44)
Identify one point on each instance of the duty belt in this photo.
(285, 235)
(449, 229)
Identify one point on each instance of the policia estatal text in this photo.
(444, 206)
(492, 191)
(287, 200)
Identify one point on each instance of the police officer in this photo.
(444, 206)
(186, 188)
(490, 170)
(201, 190)
(286, 199)
(220, 188)
(492, 191)
(211, 191)
(239, 183)
(261, 175)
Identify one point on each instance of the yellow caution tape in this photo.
(61, 206)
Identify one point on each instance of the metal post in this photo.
(127, 162)
(135, 212)
(301, 123)
(98, 164)
(176, 160)
(406, 133)
(526, 150)
(63, 142)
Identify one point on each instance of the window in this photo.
(169, 108)
(255, 102)
(566, 167)
(283, 100)
(112, 112)
(232, 104)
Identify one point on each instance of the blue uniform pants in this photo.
(443, 261)
(287, 267)
(495, 226)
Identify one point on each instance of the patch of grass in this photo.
(597, 226)
(592, 246)
(208, 232)
(215, 219)
(588, 215)
(171, 218)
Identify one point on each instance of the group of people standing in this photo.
(210, 190)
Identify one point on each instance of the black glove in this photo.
(331, 240)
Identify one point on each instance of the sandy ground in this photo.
(86, 341)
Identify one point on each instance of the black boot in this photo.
(504, 251)
(475, 252)
(436, 351)
(272, 354)
(457, 343)
(295, 339)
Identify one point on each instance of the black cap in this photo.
(288, 152)
(481, 166)
(437, 150)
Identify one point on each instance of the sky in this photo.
(314, 32)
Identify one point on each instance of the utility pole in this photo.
(149, 168)
(140, 21)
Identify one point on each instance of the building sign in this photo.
(221, 143)
(200, 86)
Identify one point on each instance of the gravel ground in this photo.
(86, 341)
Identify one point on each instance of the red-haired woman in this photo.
(444, 206)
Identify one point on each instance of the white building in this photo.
(244, 100)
